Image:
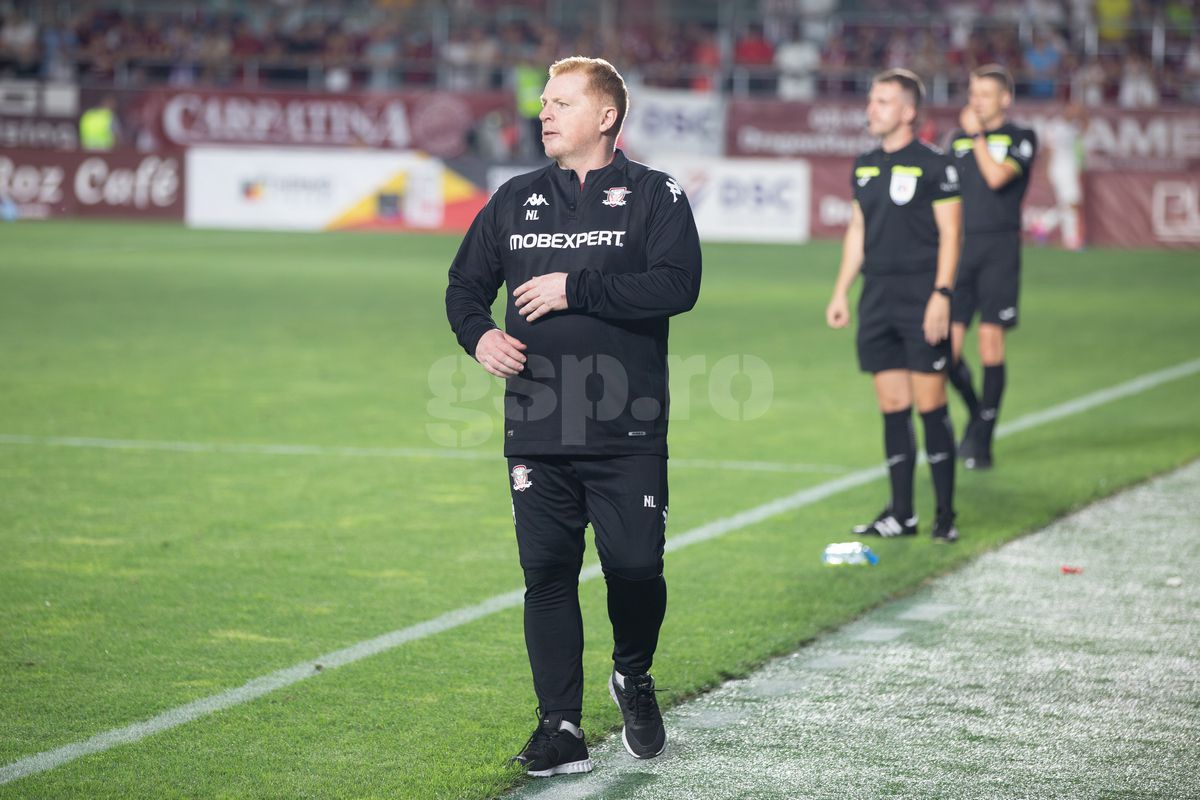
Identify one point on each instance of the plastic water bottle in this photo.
(843, 553)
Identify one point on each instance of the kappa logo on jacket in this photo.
(536, 199)
(675, 190)
(616, 196)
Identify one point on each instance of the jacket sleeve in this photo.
(670, 284)
(475, 278)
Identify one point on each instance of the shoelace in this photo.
(537, 742)
(643, 698)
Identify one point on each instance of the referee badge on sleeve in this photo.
(904, 184)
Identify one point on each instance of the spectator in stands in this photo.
(99, 127)
(384, 44)
(1048, 14)
(797, 61)
(1137, 84)
(755, 55)
(705, 59)
(753, 49)
(382, 54)
(1113, 18)
(19, 56)
(835, 64)
(336, 60)
(1191, 72)
(18, 36)
(471, 59)
(1042, 61)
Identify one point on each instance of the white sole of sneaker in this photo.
(612, 692)
(628, 749)
(570, 768)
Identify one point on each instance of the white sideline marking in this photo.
(49, 759)
(369, 452)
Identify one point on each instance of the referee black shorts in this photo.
(623, 497)
(989, 279)
(891, 325)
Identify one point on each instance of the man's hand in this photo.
(837, 313)
(968, 120)
(539, 296)
(937, 318)
(500, 354)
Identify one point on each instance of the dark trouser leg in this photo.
(627, 505)
(549, 516)
(636, 608)
(554, 638)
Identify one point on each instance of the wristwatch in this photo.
(945, 291)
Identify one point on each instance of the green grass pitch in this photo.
(135, 580)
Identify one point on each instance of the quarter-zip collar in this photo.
(568, 181)
(569, 176)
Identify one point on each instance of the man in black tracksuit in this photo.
(597, 252)
(994, 159)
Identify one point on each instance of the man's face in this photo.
(988, 99)
(888, 109)
(572, 117)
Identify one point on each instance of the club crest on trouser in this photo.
(904, 184)
(616, 196)
(520, 476)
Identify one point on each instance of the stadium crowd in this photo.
(1132, 52)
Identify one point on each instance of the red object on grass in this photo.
(1071, 570)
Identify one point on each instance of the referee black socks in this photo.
(960, 379)
(993, 390)
(939, 450)
(900, 446)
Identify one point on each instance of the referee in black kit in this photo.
(994, 159)
(904, 238)
(597, 251)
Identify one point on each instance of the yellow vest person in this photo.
(97, 130)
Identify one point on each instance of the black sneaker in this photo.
(887, 526)
(643, 735)
(944, 531)
(555, 748)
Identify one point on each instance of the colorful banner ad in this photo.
(306, 189)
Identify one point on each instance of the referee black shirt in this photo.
(986, 210)
(897, 192)
(595, 377)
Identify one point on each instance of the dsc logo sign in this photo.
(757, 194)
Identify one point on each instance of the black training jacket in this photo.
(595, 377)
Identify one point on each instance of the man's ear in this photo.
(608, 118)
